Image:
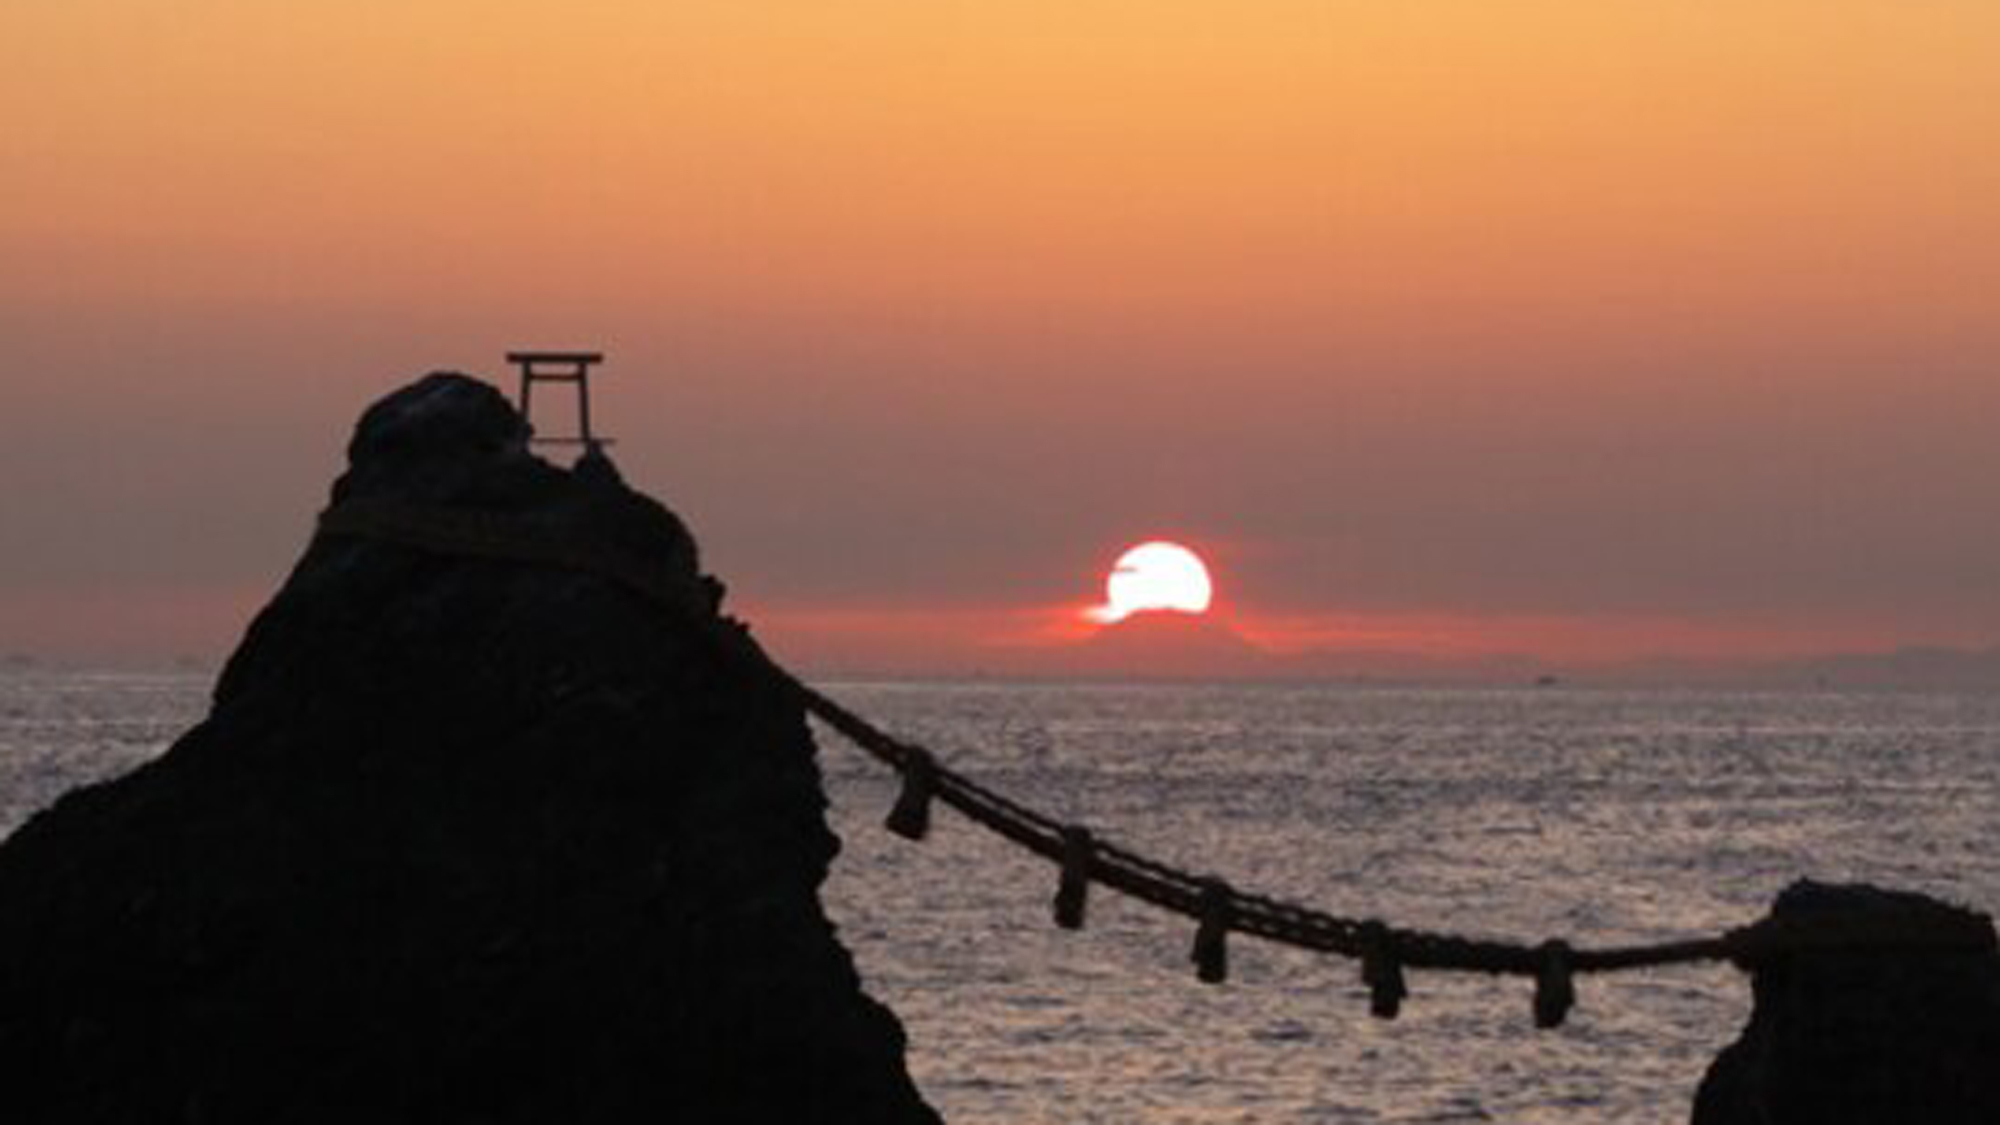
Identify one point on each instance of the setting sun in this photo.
(1156, 575)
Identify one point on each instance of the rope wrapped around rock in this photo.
(1218, 909)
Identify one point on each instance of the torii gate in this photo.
(560, 367)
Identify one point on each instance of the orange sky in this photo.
(1588, 329)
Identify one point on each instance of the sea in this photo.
(1597, 815)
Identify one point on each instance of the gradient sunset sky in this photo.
(1586, 329)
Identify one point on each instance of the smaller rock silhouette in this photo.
(1880, 1037)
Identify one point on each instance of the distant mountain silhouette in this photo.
(1167, 644)
(1918, 667)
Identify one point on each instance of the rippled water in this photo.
(1596, 815)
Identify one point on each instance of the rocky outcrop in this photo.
(462, 840)
(1876, 1036)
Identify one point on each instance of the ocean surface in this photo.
(1595, 815)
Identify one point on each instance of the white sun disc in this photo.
(1155, 575)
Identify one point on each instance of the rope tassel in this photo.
(911, 817)
(1074, 890)
(1381, 971)
(1211, 940)
(1555, 991)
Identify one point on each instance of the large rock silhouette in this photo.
(462, 840)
